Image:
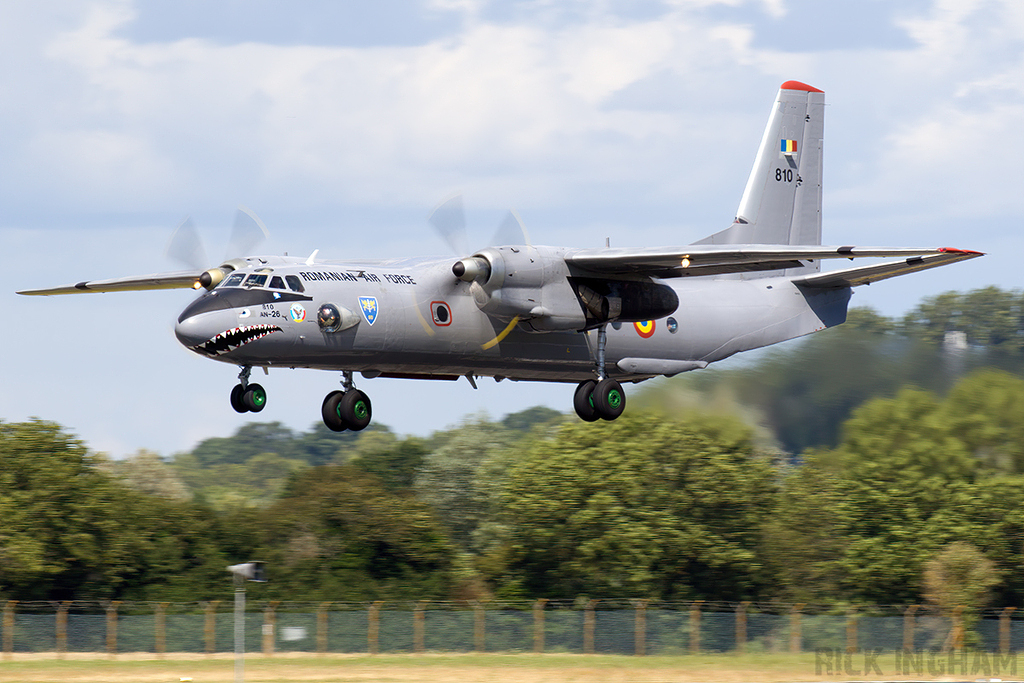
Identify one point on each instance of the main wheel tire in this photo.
(583, 401)
(255, 398)
(236, 399)
(331, 415)
(355, 409)
(609, 399)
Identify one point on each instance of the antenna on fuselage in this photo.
(312, 257)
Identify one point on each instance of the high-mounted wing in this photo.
(865, 275)
(693, 260)
(189, 279)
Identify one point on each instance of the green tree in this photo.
(456, 483)
(338, 533)
(637, 507)
(68, 531)
(960, 576)
(251, 439)
(985, 411)
(395, 461)
(146, 472)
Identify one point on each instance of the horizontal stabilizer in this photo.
(865, 275)
(137, 283)
(693, 260)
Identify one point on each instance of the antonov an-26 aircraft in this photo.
(596, 317)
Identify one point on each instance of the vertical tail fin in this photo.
(781, 203)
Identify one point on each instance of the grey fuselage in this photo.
(414, 318)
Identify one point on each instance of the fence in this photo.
(635, 627)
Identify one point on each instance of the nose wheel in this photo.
(348, 409)
(602, 399)
(246, 397)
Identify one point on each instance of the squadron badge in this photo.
(368, 304)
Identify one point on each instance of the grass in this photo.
(439, 668)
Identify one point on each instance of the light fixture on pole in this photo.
(247, 571)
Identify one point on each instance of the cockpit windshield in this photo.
(291, 282)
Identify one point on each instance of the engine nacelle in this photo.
(535, 284)
(524, 281)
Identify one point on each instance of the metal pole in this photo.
(239, 628)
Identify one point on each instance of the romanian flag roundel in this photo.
(645, 329)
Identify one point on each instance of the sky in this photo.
(342, 124)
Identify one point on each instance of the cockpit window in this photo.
(276, 282)
(256, 280)
(294, 282)
(234, 280)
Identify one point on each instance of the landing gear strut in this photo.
(601, 399)
(246, 397)
(347, 409)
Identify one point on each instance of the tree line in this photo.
(683, 498)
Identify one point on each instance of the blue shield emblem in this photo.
(368, 304)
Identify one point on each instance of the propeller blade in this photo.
(247, 233)
(186, 247)
(449, 220)
(511, 231)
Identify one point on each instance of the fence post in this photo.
(741, 627)
(479, 627)
(321, 628)
(640, 628)
(908, 628)
(538, 625)
(210, 626)
(62, 628)
(160, 617)
(795, 639)
(851, 630)
(269, 627)
(1004, 630)
(417, 626)
(112, 628)
(695, 626)
(9, 628)
(373, 627)
(589, 621)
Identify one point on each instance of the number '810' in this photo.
(784, 175)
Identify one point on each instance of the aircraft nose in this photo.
(192, 331)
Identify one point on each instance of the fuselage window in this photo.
(294, 282)
(233, 280)
(276, 282)
(255, 280)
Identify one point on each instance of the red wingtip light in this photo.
(797, 85)
(951, 250)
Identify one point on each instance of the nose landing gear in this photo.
(246, 397)
(601, 399)
(348, 409)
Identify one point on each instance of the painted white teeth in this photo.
(229, 340)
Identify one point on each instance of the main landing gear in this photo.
(602, 398)
(348, 409)
(245, 397)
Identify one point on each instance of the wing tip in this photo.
(965, 252)
(797, 85)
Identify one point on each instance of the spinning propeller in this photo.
(449, 220)
(186, 246)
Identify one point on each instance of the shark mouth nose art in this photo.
(229, 340)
